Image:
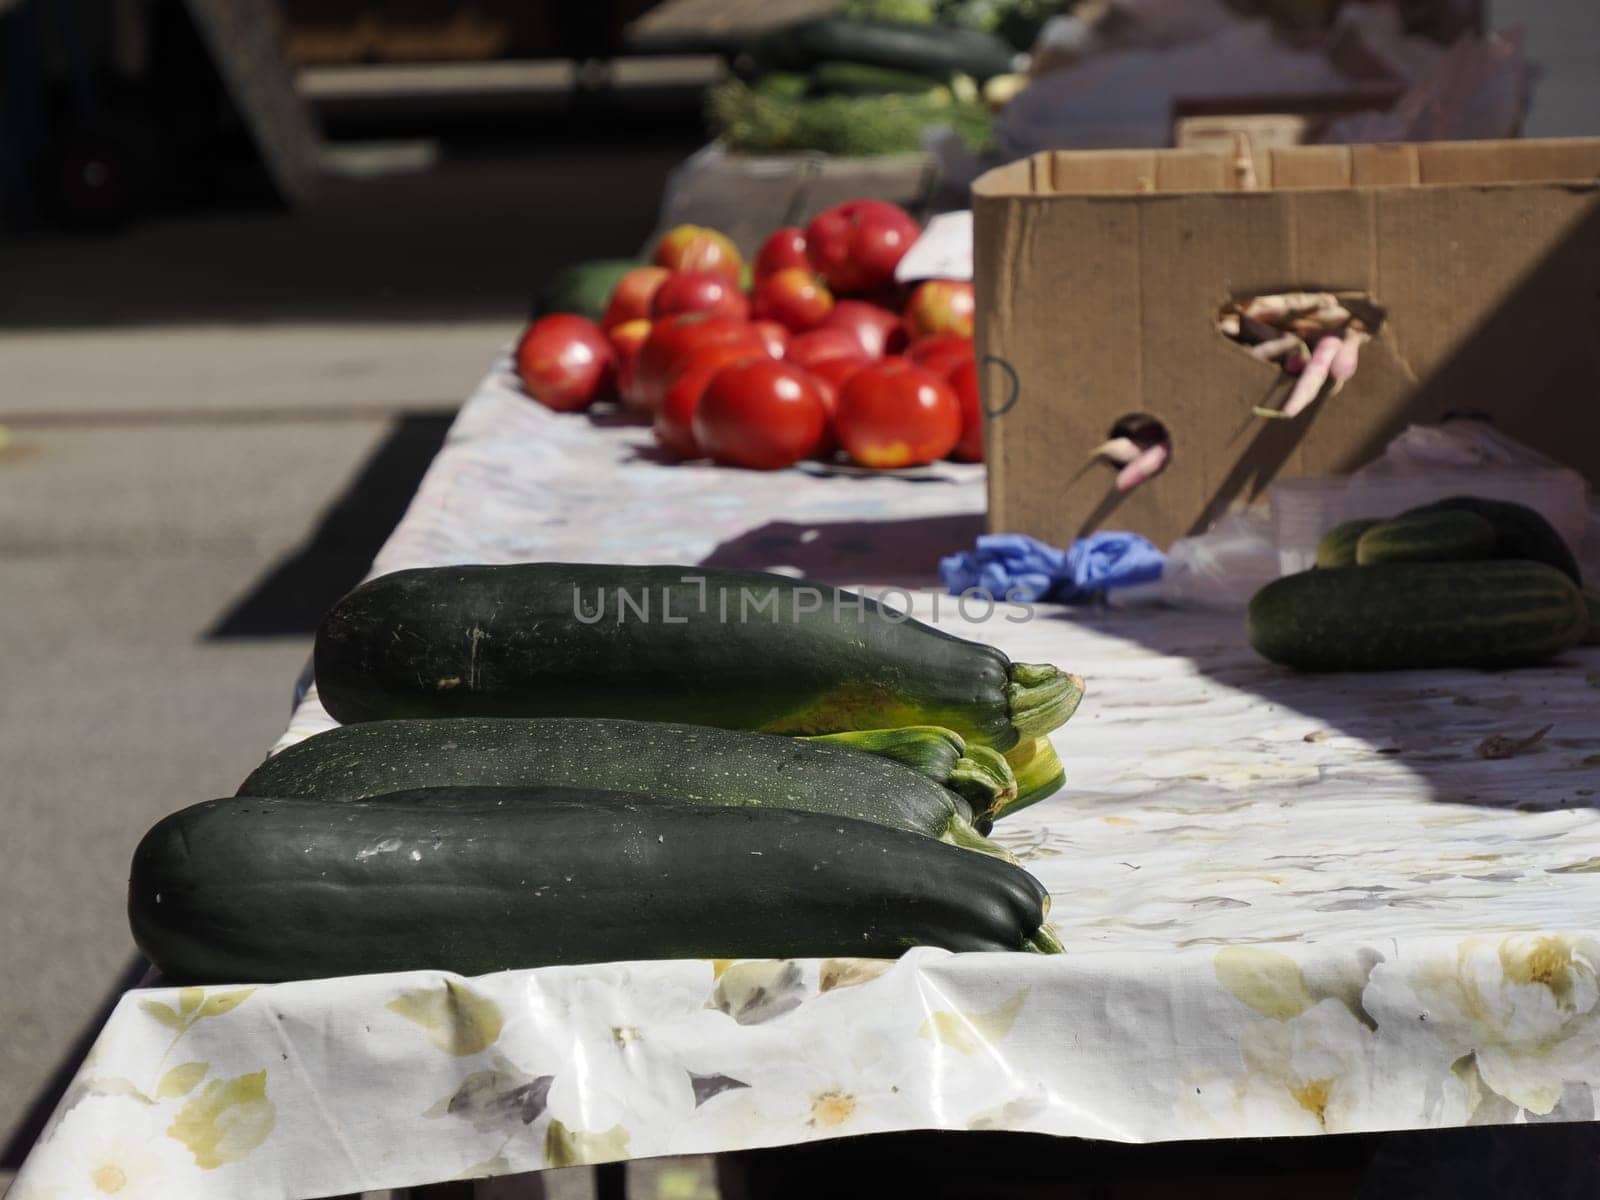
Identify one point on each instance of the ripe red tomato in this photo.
(783, 249)
(896, 414)
(627, 339)
(856, 246)
(761, 414)
(831, 374)
(699, 292)
(774, 335)
(941, 306)
(630, 299)
(696, 248)
(877, 330)
(671, 339)
(565, 362)
(817, 345)
(795, 298)
(940, 352)
(674, 424)
(963, 381)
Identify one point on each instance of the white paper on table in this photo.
(944, 251)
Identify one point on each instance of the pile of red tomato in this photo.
(826, 353)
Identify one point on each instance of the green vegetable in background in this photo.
(906, 12)
(1338, 546)
(860, 79)
(583, 288)
(936, 52)
(1520, 532)
(1447, 535)
(782, 85)
(1417, 615)
(1016, 21)
(842, 125)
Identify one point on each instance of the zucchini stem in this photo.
(1044, 941)
(1041, 698)
(982, 777)
(960, 833)
(1038, 772)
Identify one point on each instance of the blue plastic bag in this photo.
(1026, 569)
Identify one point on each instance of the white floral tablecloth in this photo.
(1291, 905)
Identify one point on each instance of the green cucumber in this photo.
(474, 880)
(1338, 546)
(585, 288)
(978, 774)
(734, 649)
(1394, 616)
(935, 51)
(1448, 535)
(862, 79)
(846, 126)
(782, 85)
(1520, 532)
(690, 764)
(907, 12)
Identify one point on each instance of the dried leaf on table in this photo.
(1498, 745)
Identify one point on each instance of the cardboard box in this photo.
(1099, 276)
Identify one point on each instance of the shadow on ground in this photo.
(290, 599)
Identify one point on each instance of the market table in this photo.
(1291, 905)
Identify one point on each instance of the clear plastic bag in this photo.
(1221, 569)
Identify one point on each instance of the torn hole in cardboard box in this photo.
(1138, 448)
(1314, 338)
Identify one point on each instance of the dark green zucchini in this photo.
(734, 649)
(474, 880)
(692, 764)
(1448, 535)
(1520, 532)
(1338, 546)
(1392, 616)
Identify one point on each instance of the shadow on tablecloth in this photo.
(898, 553)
